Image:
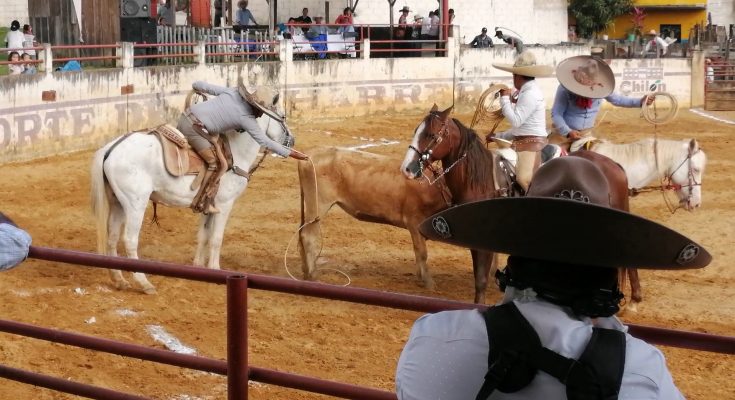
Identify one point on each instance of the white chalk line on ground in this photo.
(702, 113)
(381, 142)
(159, 334)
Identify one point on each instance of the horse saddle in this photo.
(178, 157)
(504, 162)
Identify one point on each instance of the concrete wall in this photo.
(90, 110)
(13, 9)
(723, 12)
(537, 21)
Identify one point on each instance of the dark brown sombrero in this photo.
(566, 218)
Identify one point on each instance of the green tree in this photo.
(596, 15)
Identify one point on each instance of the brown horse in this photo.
(468, 169)
(368, 187)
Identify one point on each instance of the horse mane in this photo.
(478, 160)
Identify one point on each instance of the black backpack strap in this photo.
(604, 363)
(512, 339)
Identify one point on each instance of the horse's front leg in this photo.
(419, 250)
(482, 262)
(217, 225)
(636, 294)
(205, 223)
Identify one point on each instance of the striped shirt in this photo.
(14, 244)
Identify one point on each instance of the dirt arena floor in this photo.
(332, 340)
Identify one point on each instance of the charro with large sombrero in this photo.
(555, 334)
(584, 82)
(526, 114)
(229, 109)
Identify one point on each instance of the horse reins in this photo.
(424, 156)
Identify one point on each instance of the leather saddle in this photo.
(180, 159)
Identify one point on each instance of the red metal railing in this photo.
(236, 368)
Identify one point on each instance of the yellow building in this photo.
(676, 16)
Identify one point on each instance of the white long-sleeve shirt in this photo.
(657, 44)
(528, 116)
(445, 357)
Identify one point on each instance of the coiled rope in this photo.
(654, 113)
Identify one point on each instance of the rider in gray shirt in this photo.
(228, 110)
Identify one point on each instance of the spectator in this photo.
(482, 40)
(14, 69)
(28, 67)
(164, 17)
(511, 40)
(451, 16)
(318, 28)
(29, 41)
(220, 11)
(655, 47)
(304, 19)
(344, 21)
(244, 16)
(290, 28)
(416, 35)
(317, 34)
(426, 27)
(434, 30)
(14, 38)
(555, 335)
(14, 243)
(710, 70)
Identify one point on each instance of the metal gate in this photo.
(719, 85)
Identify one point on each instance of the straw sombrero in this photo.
(263, 98)
(568, 197)
(586, 76)
(526, 65)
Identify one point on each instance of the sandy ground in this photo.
(333, 340)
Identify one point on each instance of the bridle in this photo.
(425, 155)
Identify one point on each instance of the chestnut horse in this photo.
(370, 188)
(468, 169)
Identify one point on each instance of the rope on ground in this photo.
(318, 218)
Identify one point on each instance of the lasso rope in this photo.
(651, 112)
(321, 245)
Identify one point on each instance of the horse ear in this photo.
(445, 114)
(435, 108)
(693, 145)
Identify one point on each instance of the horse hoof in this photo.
(150, 290)
(632, 307)
(122, 285)
(429, 285)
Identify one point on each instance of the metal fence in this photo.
(236, 367)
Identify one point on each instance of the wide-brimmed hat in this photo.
(566, 218)
(526, 65)
(586, 76)
(405, 8)
(417, 17)
(262, 98)
(652, 32)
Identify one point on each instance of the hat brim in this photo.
(565, 76)
(251, 97)
(564, 231)
(536, 71)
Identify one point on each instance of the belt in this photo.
(529, 139)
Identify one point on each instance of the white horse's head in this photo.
(686, 175)
(274, 123)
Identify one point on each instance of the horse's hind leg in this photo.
(217, 224)
(205, 221)
(114, 224)
(134, 220)
(419, 250)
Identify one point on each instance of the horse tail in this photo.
(100, 200)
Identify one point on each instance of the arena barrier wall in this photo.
(59, 112)
(236, 367)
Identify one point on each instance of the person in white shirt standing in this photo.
(656, 46)
(527, 116)
(14, 38)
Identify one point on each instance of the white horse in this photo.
(133, 173)
(678, 163)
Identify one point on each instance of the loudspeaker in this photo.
(135, 8)
(140, 30)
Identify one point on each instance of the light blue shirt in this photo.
(567, 116)
(14, 244)
(244, 17)
(445, 357)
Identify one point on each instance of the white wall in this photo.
(13, 9)
(723, 12)
(537, 21)
(89, 109)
